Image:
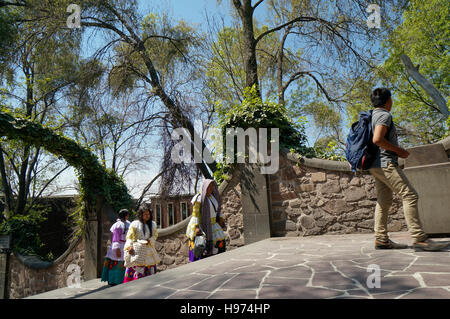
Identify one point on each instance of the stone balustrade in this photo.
(28, 275)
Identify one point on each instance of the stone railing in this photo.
(317, 196)
(446, 143)
(309, 196)
(29, 275)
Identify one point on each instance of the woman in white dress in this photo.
(141, 257)
(208, 218)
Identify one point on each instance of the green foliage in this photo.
(225, 70)
(8, 33)
(95, 180)
(330, 151)
(77, 219)
(167, 45)
(447, 132)
(25, 230)
(424, 36)
(359, 98)
(174, 41)
(253, 112)
(222, 172)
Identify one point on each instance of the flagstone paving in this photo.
(327, 266)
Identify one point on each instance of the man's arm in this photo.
(380, 140)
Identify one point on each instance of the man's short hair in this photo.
(380, 96)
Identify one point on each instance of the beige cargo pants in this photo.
(390, 180)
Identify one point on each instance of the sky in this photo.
(193, 11)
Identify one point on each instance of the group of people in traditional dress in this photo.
(132, 254)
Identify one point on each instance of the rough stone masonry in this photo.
(309, 201)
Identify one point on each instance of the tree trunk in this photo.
(22, 192)
(6, 188)
(280, 57)
(250, 62)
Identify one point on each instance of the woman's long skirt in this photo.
(134, 273)
(113, 271)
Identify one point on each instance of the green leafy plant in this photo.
(95, 180)
(329, 152)
(256, 113)
(222, 172)
(25, 232)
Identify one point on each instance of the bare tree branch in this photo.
(257, 4)
(146, 189)
(299, 19)
(44, 187)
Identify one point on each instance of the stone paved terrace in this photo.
(327, 266)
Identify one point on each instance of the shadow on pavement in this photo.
(90, 292)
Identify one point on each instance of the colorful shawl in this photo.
(205, 208)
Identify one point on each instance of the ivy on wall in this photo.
(256, 113)
(96, 181)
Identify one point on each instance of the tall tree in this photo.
(41, 68)
(423, 36)
(144, 40)
(224, 65)
(329, 26)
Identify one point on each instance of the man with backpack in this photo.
(390, 178)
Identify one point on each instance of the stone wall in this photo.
(173, 250)
(312, 201)
(30, 276)
(232, 210)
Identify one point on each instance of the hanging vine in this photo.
(96, 181)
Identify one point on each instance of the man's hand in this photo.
(402, 153)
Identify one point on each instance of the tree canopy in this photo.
(128, 77)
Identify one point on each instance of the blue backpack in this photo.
(360, 150)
